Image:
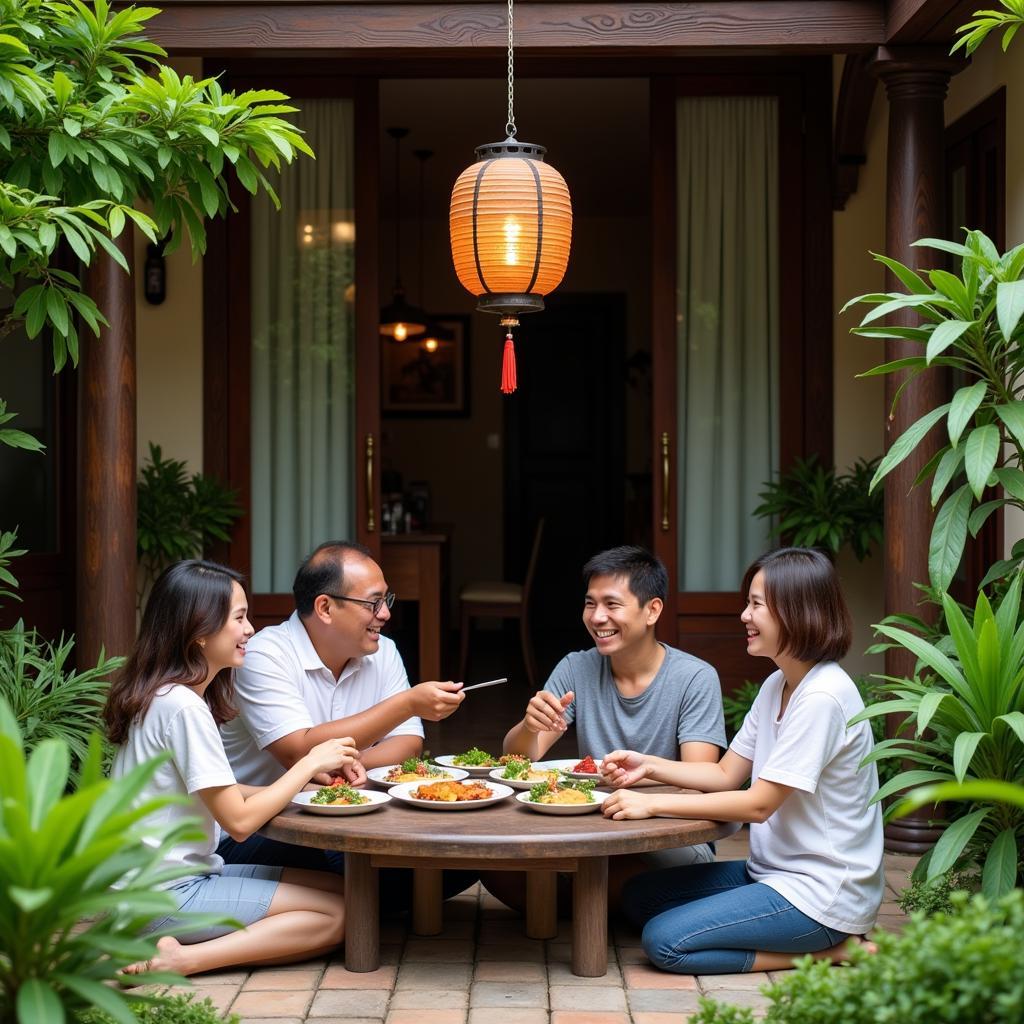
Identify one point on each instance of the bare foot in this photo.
(170, 956)
(840, 953)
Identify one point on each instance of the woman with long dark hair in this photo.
(171, 696)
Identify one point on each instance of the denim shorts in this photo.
(241, 892)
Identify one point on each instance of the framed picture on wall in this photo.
(427, 378)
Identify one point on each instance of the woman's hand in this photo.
(353, 774)
(622, 768)
(331, 755)
(625, 805)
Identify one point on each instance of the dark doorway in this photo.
(564, 456)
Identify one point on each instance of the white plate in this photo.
(377, 775)
(448, 761)
(403, 792)
(566, 765)
(514, 783)
(599, 798)
(376, 801)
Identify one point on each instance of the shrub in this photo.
(968, 720)
(49, 699)
(935, 896)
(813, 507)
(958, 968)
(180, 1009)
(64, 933)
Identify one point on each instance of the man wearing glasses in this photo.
(326, 672)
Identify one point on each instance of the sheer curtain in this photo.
(303, 345)
(727, 332)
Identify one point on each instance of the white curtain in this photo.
(727, 332)
(303, 344)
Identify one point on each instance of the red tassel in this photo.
(508, 366)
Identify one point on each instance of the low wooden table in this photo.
(501, 837)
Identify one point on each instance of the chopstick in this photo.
(478, 686)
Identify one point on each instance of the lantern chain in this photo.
(510, 126)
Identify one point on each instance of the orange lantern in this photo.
(511, 229)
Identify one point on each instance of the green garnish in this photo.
(517, 769)
(328, 795)
(543, 788)
(411, 764)
(475, 757)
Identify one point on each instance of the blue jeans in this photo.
(395, 883)
(714, 918)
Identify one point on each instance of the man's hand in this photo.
(622, 768)
(623, 805)
(436, 701)
(545, 712)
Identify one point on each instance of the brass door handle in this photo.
(664, 482)
(371, 521)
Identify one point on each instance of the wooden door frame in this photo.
(805, 285)
(227, 330)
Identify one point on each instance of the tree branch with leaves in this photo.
(92, 127)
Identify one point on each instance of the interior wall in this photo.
(169, 347)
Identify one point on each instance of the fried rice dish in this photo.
(451, 792)
(413, 770)
(566, 796)
(338, 795)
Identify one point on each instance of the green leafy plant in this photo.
(47, 696)
(178, 515)
(957, 968)
(8, 552)
(974, 33)
(186, 1008)
(736, 705)
(813, 507)
(935, 896)
(64, 933)
(91, 124)
(964, 722)
(973, 323)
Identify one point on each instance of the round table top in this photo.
(496, 832)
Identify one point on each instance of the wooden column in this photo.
(106, 465)
(915, 81)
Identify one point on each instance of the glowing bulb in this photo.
(401, 332)
(430, 344)
(512, 230)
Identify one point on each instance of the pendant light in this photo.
(434, 334)
(511, 227)
(398, 319)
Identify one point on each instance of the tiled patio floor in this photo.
(483, 970)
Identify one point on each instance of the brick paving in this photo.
(483, 969)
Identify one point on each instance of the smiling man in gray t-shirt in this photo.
(629, 691)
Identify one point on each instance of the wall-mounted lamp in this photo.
(154, 275)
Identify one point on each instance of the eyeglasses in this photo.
(374, 605)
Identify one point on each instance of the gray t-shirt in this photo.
(683, 704)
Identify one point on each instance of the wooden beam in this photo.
(227, 27)
(853, 108)
(913, 21)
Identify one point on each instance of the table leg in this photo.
(427, 900)
(362, 914)
(541, 904)
(590, 918)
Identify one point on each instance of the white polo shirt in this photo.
(283, 686)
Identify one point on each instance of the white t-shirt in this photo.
(283, 686)
(822, 849)
(179, 721)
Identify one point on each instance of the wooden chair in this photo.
(504, 601)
